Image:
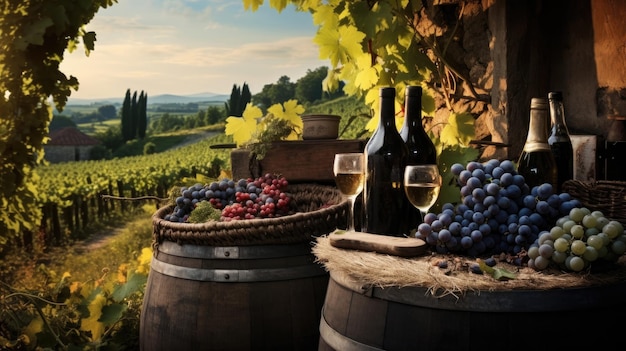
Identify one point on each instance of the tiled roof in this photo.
(71, 136)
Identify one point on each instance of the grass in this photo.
(109, 248)
(105, 250)
(166, 141)
(92, 128)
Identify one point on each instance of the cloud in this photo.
(287, 50)
(186, 46)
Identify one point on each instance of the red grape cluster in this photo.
(263, 197)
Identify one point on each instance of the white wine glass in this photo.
(349, 172)
(421, 185)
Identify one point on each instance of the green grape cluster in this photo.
(577, 240)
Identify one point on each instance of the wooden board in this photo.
(391, 245)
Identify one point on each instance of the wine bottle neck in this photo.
(537, 138)
(557, 118)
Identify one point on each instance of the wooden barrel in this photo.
(240, 285)
(411, 318)
(233, 298)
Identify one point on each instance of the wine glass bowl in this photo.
(421, 185)
(349, 172)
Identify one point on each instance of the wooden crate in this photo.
(299, 161)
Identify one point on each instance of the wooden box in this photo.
(299, 161)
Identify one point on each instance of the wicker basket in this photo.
(321, 210)
(607, 196)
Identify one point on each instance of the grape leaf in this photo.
(496, 273)
(89, 40)
(368, 75)
(331, 82)
(91, 323)
(339, 45)
(252, 4)
(33, 33)
(279, 5)
(447, 156)
(34, 327)
(370, 20)
(503, 274)
(290, 110)
(458, 130)
(134, 283)
(144, 260)
(325, 15)
(112, 313)
(243, 128)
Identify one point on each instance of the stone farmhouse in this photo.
(69, 144)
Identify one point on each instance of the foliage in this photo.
(100, 152)
(149, 148)
(59, 122)
(107, 111)
(111, 137)
(277, 93)
(204, 212)
(214, 115)
(372, 44)
(33, 38)
(253, 125)
(309, 87)
(94, 305)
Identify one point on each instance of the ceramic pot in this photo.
(320, 126)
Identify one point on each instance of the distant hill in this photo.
(156, 99)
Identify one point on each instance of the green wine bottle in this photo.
(536, 162)
(385, 157)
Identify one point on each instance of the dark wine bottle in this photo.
(560, 141)
(421, 149)
(383, 194)
(536, 162)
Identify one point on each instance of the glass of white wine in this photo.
(349, 172)
(421, 185)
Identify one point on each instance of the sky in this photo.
(185, 47)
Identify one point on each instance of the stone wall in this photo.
(66, 153)
(511, 51)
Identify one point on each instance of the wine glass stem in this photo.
(351, 214)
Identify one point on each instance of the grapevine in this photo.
(262, 197)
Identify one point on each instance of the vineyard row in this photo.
(75, 194)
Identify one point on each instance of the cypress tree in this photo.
(134, 108)
(126, 118)
(246, 97)
(232, 105)
(142, 124)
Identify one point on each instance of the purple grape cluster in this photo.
(497, 212)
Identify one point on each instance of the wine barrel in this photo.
(233, 298)
(240, 285)
(356, 317)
